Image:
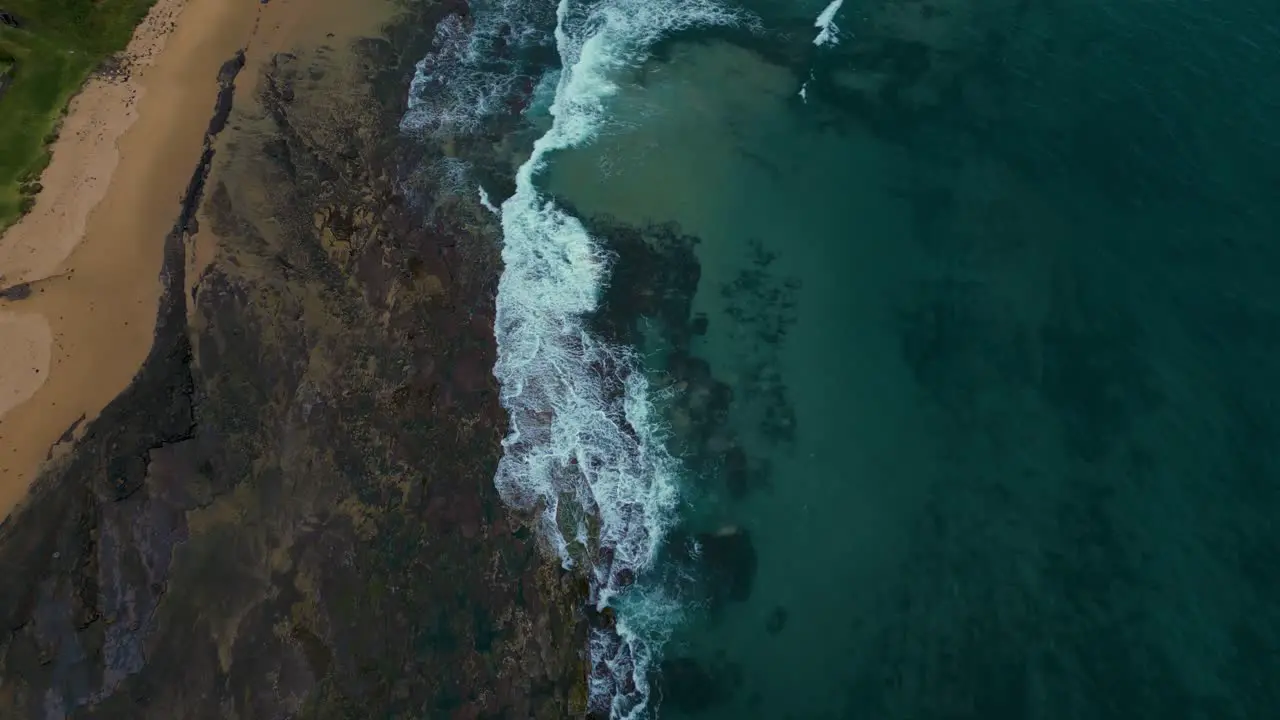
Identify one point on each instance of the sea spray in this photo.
(584, 451)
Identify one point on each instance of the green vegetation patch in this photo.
(46, 59)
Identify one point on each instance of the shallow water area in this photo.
(739, 166)
(992, 299)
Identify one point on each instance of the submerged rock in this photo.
(777, 620)
(690, 686)
(729, 561)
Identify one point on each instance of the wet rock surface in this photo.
(656, 274)
(290, 513)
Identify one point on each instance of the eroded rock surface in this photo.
(290, 513)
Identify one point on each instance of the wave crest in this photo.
(585, 452)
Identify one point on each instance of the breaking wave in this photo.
(585, 451)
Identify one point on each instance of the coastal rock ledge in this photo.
(290, 512)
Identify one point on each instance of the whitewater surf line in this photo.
(585, 451)
(475, 68)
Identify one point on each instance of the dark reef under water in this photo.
(975, 344)
(970, 355)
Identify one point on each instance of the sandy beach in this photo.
(79, 274)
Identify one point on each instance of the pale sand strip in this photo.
(101, 221)
(85, 157)
(24, 362)
(119, 167)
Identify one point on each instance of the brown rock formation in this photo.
(290, 512)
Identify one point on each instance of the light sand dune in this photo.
(91, 247)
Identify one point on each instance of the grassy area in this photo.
(59, 43)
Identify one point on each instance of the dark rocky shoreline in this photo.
(290, 512)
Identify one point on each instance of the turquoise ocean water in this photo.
(882, 359)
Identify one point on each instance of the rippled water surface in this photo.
(900, 359)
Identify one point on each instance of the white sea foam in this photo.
(585, 451)
(451, 174)
(544, 93)
(487, 202)
(826, 24)
(451, 91)
(474, 68)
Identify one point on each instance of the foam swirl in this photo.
(585, 451)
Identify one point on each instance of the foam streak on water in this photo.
(584, 450)
(826, 24)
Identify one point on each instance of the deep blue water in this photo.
(944, 390)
